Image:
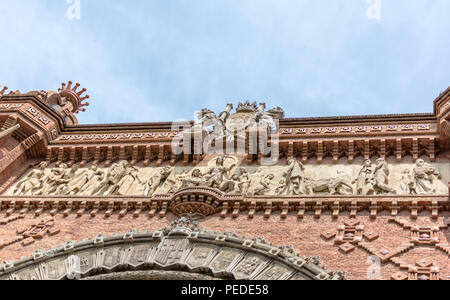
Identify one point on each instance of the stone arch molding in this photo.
(182, 249)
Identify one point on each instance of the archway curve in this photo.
(176, 252)
(152, 275)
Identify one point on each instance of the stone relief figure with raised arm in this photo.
(217, 176)
(50, 182)
(425, 177)
(365, 181)
(381, 175)
(32, 182)
(61, 176)
(157, 180)
(110, 182)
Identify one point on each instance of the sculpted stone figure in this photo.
(249, 266)
(255, 178)
(79, 181)
(230, 186)
(237, 184)
(226, 124)
(294, 177)
(127, 185)
(94, 178)
(264, 118)
(372, 181)
(217, 176)
(157, 180)
(333, 186)
(195, 179)
(424, 177)
(280, 187)
(408, 185)
(381, 175)
(243, 181)
(31, 183)
(59, 179)
(178, 182)
(7, 132)
(223, 174)
(110, 183)
(66, 179)
(50, 183)
(365, 181)
(209, 122)
(263, 187)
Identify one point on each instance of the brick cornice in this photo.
(187, 201)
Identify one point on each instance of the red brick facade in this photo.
(408, 234)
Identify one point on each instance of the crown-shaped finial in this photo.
(183, 226)
(3, 90)
(277, 112)
(247, 107)
(77, 97)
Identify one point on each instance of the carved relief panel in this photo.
(224, 173)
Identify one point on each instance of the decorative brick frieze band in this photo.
(205, 202)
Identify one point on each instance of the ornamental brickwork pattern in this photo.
(369, 195)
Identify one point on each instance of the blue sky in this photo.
(155, 60)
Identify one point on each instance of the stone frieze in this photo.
(227, 175)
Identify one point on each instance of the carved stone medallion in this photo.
(249, 267)
(31, 273)
(112, 256)
(200, 256)
(55, 269)
(225, 260)
(275, 272)
(171, 251)
(139, 254)
(88, 261)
